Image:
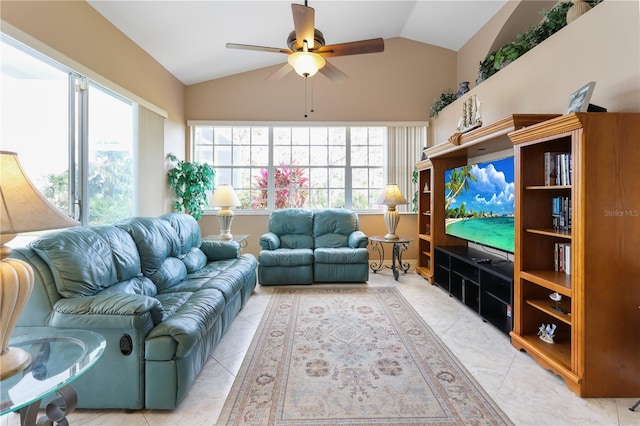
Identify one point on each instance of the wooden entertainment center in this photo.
(596, 347)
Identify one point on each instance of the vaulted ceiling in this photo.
(188, 37)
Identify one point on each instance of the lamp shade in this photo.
(22, 206)
(391, 196)
(306, 64)
(224, 196)
(22, 209)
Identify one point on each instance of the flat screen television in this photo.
(479, 203)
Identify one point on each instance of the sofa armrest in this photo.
(220, 250)
(107, 311)
(357, 239)
(269, 241)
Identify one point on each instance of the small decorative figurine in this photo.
(557, 297)
(547, 332)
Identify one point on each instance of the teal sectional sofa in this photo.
(161, 297)
(304, 246)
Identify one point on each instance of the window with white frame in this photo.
(278, 166)
(73, 137)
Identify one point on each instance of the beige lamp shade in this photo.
(224, 197)
(22, 209)
(391, 197)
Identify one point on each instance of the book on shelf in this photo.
(561, 213)
(562, 258)
(557, 168)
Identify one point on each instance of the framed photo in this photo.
(579, 100)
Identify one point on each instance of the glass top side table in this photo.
(400, 245)
(241, 239)
(58, 357)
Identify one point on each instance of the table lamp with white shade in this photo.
(224, 197)
(22, 209)
(391, 197)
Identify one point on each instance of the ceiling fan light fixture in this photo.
(306, 64)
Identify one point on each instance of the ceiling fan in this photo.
(307, 50)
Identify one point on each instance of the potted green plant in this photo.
(553, 20)
(439, 104)
(190, 181)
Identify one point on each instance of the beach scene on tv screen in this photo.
(479, 203)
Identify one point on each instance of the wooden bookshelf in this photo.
(425, 207)
(597, 348)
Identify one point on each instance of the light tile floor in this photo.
(528, 394)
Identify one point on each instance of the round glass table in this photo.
(400, 245)
(58, 357)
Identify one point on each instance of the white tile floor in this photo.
(528, 394)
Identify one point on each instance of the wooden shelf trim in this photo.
(424, 271)
(552, 280)
(550, 232)
(554, 127)
(425, 237)
(555, 357)
(547, 187)
(544, 305)
(489, 132)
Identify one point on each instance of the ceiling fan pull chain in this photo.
(311, 109)
(306, 79)
(306, 103)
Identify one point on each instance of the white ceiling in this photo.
(188, 37)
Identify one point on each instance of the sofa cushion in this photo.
(86, 260)
(294, 227)
(194, 260)
(136, 285)
(155, 239)
(171, 302)
(170, 273)
(187, 230)
(332, 227)
(285, 257)
(187, 326)
(344, 255)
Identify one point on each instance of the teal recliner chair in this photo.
(305, 246)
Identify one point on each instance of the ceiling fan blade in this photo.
(280, 72)
(373, 45)
(258, 48)
(332, 73)
(303, 21)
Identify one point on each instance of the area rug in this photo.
(352, 356)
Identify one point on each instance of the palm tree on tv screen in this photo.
(458, 181)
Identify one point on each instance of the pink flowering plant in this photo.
(290, 187)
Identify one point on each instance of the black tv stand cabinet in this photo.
(481, 281)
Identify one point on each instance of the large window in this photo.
(73, 137)
(273, 167)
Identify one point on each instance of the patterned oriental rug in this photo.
(352, 356)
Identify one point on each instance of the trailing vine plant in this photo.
(553, 20)
(414, 180)
(439, 104)
(190, 181)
